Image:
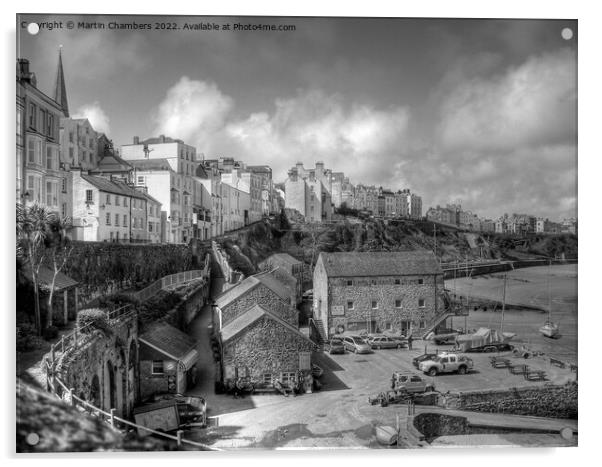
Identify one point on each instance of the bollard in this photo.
(113, 418)
(179, 435)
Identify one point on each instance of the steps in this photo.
(318, 326)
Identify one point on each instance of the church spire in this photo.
(60, 92)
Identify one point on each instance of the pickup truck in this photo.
(446, 363)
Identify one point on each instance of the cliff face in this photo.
(248, 247)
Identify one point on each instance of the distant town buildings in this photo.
(308, 192)
(376, 291)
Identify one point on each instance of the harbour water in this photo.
(537, 287)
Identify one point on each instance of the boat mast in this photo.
(549, 291)
(503, 303)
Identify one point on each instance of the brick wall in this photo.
(260, 295)
(383, 290)
(264, 347)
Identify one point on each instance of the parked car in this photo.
(334, 345)
(410, 382)
(446, 363)
(427, 356)
(356, 344)
(384, 342)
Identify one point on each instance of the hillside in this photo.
(248, 247)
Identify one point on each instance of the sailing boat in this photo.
(549, 328)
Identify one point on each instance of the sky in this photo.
(482, 112)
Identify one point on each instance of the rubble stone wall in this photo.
(261, 295)
(547, 401)
(264, 347)
(387, 315)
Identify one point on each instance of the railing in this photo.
(112, 419)
(172, 280)
(71, 341)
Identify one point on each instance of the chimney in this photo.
(23, 68)
(162, 138)
(136, 140)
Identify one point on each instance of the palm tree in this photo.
(59, 249)
(32, 229)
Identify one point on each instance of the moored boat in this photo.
(550, 329)
(386, 435)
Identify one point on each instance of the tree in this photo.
(32, 229)
(59, 249)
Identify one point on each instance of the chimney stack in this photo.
(136, 140)
(162, 138)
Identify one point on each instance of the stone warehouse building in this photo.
(377, 291)
(259, 345)
(261, 289)
(291, 265)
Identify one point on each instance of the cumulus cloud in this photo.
(531, 104)
(309, 126)
(96, 115)
(193, 110)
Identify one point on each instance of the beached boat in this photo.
(549, 328)
(386, 435)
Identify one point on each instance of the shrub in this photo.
(51, 332)
(93, 319)
(27, 338)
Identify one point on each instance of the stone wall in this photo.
(156, 384)
(547, 401)
(191, 305)
(387, 315)
(264, 347)
(433, 425)
(104, 368)
(261, 295)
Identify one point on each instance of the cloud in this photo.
(528, 105)
(193, 111)
(309, 126)
(96, 115)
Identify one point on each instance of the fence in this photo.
(172, 280)
(112, 419)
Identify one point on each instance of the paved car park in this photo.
(372, 372)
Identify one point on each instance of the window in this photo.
(71, 139)
(34, 186)
(50, 125)
(31, 151)
(70, 154)
(374, 305)
(84, 156)
(125, 202)
(397, 303)
(64, 210)
(420, 281)
(421, 303)
(373, 281)
(108, 220)
(49, 158)
(350, 305)
(19, 123)
(117, 219)
(89, 196)
(157, 368)
(267, 378)
(288, 377)
(397, 281)
(150, 226)
(116, 200)
(350, 282)
(33, 114)
(64, 185)
(125, 220)
(52, 198)
(140, 180)
(108, 199)
(111, 236)
(388, 326)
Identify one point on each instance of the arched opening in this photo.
(94, 396)
(110, 386)
(132, 392)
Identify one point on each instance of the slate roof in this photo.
(45, 274)
(282, 258)
(112, 162)
(151, 164)
(112, 186)
(250, 283)
(380, 263)
(170, 341)
(249, 317)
